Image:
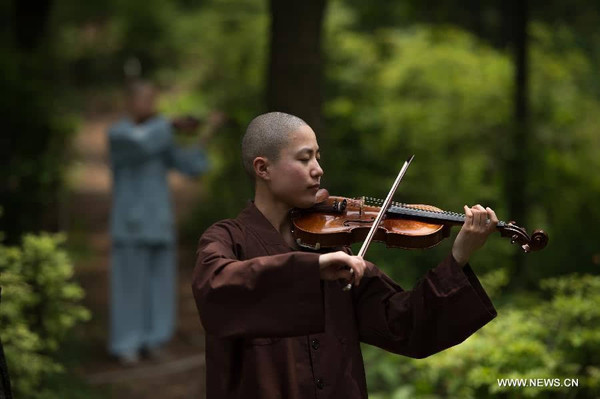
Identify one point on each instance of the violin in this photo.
(339, 221)
(186, 123)
(190, 123)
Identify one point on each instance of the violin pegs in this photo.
(514, 239)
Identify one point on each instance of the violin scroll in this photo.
(518, 235)
(539, 239)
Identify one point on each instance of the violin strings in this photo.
(420, 209)
(378, 202)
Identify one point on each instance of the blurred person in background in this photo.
(143, 258)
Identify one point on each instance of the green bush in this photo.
(556, 337)
(39, 308)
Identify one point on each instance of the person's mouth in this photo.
(314, 187)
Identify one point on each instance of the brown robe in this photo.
(274, 329)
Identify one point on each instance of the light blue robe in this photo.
(143, 275)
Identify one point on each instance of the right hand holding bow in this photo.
(340, 265)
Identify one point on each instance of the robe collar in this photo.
(253, 218)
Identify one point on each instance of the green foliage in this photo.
(565, 106)
(438, 93)
(557, 337)
(40, 306)
(445, 96)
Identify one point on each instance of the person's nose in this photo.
(317, 171)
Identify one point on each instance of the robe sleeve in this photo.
(189, 161)
(266, 296)
(442, 310)
(133, 144)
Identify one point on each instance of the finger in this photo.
(469, 216)
(476, 216)
(483, 218)
(360, 267)
(352, 276)
(492, 215)
(354, 270)
(342, 257)
(348, 270)
(492, 218)
(344, 275)
(349, 267)
(335, 260)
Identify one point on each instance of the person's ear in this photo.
(261, 168)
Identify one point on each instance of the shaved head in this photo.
(141, 100)
(139, 87)
(266, 136)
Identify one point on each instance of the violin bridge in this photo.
(362, 203)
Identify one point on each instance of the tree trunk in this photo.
(25, 142)
(31, 19)
(295, 65)
(519, 154)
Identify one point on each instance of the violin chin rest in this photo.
(322, 195)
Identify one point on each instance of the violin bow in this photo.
(384, 207)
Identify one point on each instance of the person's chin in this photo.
(305, 201)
